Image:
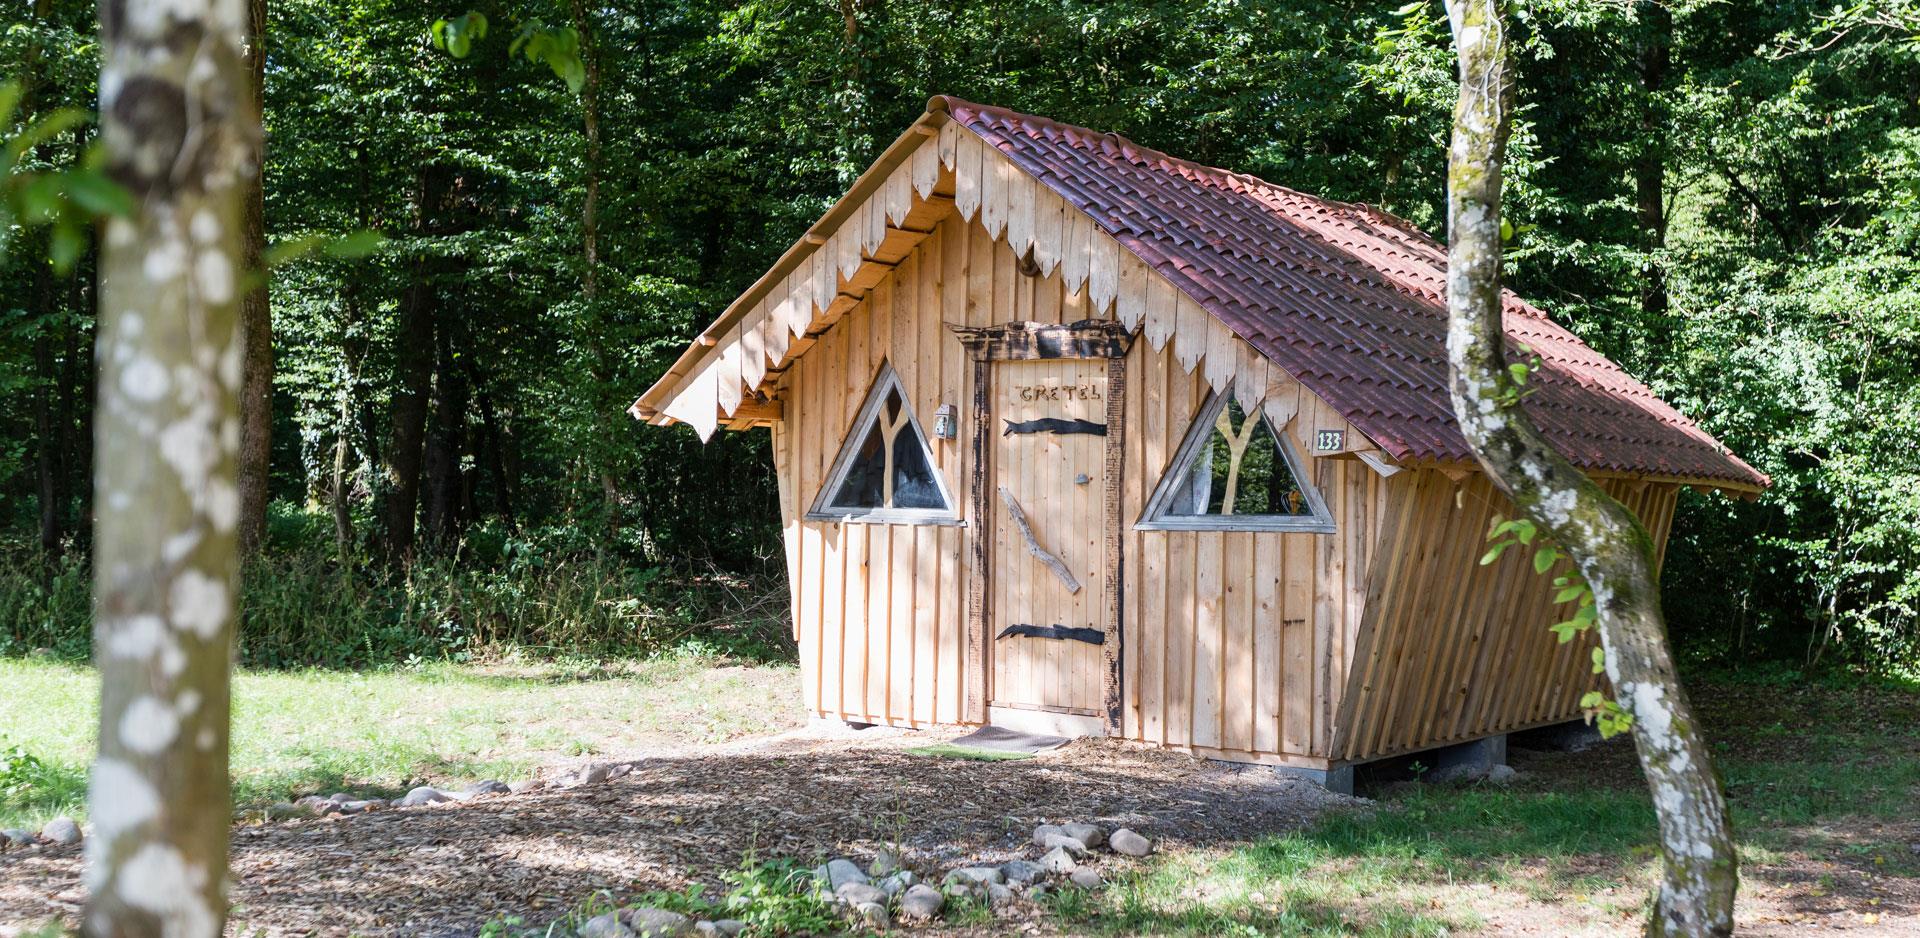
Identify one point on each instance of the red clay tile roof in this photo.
(1348, 299)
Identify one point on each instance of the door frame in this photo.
(1028, 341)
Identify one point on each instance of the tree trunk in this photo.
(1606, 542)
(353, 352)
(178, 126)
(256, 319)
(493, 443)
(590, 107)
(1650, 165)
(446, 444)
(603, 369)
(49, 438)
(413, 366)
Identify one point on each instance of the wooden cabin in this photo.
(1079, 437)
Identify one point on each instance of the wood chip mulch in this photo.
(683, 818)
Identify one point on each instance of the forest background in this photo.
(1724, 197)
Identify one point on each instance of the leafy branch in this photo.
(557, 47)
(66, 201)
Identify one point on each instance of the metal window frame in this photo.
(1155, 517)
(823, 508)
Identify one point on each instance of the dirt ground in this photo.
(684, 817)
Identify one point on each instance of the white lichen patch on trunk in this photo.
(1609, 548)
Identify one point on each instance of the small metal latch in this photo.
(1081, 479)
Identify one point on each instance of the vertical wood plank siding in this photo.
(1449, 650)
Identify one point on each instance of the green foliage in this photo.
(1725, 198)
(775, 897)
(456, 36)
(529, 594)
(22, 775)
(67, 200)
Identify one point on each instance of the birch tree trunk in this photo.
(1606, 542)
(178, 124)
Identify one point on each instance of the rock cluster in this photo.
(341, 803)
(656, 923)
(59, 832)
(887, 891)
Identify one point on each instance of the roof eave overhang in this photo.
(922, 131)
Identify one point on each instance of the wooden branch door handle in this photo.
(1033, 544)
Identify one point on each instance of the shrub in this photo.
(303, 607)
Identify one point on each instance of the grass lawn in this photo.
(1824, 785)
(296, 733)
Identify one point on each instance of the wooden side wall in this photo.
(1449, 650)
(1238, 641)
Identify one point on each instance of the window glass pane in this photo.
(866, 475)
(913, 484)
(904, 462)
(1238, 470)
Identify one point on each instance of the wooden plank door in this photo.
(1049, 535)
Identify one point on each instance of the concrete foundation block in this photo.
(1467, 760)
(1338, 779)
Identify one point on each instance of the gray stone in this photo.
(60, 830)
(1073, 845)
(730, 926)
(339, 797)
(422, 796)
(1059, 860)
(1502, 775)
(1087, 878)
(1125, 841)
(526, 785)
(977, 875)
(486, 787)
(593, 775)
(362, 807)
(921, 902)
(898, 882)
(619, 771)
(959, 890)
(605, 926)
(1087, 834)
(317, 806)
(841, 871)
(858, 894)
(706, 929)
(287, 811)
(16, 837)
(885, 863)
(1041, 833)
(874, 914)
(998, 895)
(1037, 892)
(1021, 872)
(658, 923)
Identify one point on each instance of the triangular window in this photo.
(1234, 472)
(885, 471)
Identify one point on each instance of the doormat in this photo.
(1006, 740)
